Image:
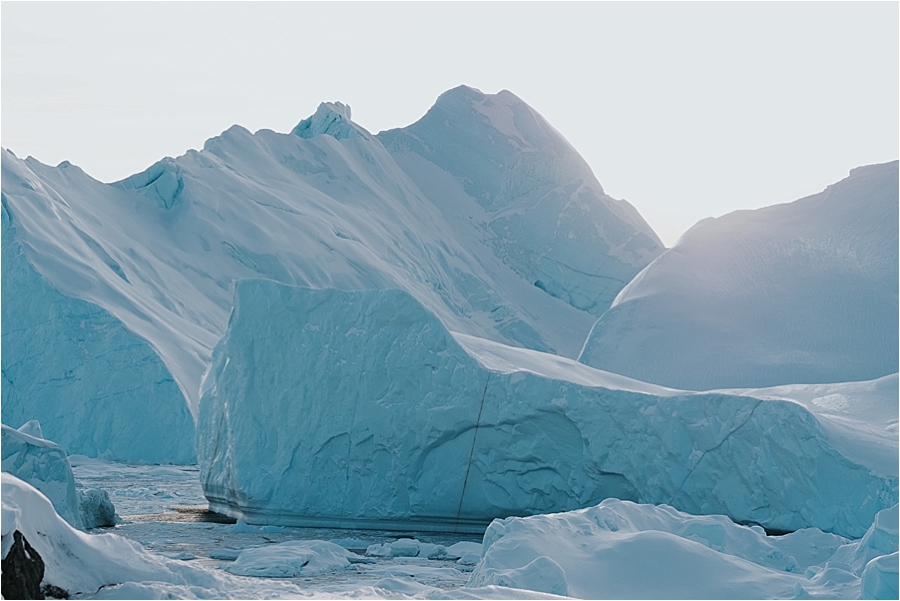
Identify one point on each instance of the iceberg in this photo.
(117, 293)
(361, 409)
(44, 465)
(804, 292)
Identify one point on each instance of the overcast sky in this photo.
(685, 110)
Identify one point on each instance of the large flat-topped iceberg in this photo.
(361, 409)
(799, 292)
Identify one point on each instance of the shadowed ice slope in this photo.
(94, 386)
(361, 409)
(799, 292)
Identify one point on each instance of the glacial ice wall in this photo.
(361, 409)
(96, 389)
(804, 292)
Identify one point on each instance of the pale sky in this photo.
(685, 110)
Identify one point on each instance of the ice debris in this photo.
(290, 559)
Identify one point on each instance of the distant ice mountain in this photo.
(324, 206)
(804, 292)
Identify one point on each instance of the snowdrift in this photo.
(804, 292)
(95, 387)
(621, 550)
(360, 409)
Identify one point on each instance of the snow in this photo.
(804, 292)
(623, 550)
(360, 409)
(93, 385)
(78, 562)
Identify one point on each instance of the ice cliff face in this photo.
(324, 206)
(361, 409)
(800, 292)
(95, 387)
(506, 180)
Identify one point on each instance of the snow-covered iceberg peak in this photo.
(501, 174)
(332, 119)
(360, 409)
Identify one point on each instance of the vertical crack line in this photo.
(472, 450)
(349, 453)
(702, 455)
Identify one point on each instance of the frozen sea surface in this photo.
(163, 509)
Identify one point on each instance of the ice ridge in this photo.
(332, 119)
(162, 182)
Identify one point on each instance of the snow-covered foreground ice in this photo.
(616, 550)
(804, 292)
(360, 409)
(107, 566)
(621, 550)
